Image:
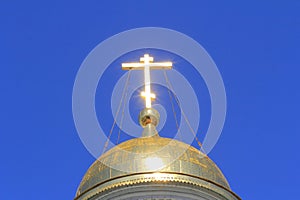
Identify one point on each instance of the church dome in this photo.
(151, 159)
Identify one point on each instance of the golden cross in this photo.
(146, 63)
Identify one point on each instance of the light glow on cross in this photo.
(146, 63)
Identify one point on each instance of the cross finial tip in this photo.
(146, 59)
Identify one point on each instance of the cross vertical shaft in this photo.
(147, 93)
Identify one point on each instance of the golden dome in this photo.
(140, 160)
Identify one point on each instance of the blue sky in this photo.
(255, 45)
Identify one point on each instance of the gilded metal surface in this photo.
(149, 116)
(132, 156)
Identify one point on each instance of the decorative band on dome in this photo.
(155, 177)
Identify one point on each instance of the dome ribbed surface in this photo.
(148, 155)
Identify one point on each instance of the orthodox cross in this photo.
(146, 63)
